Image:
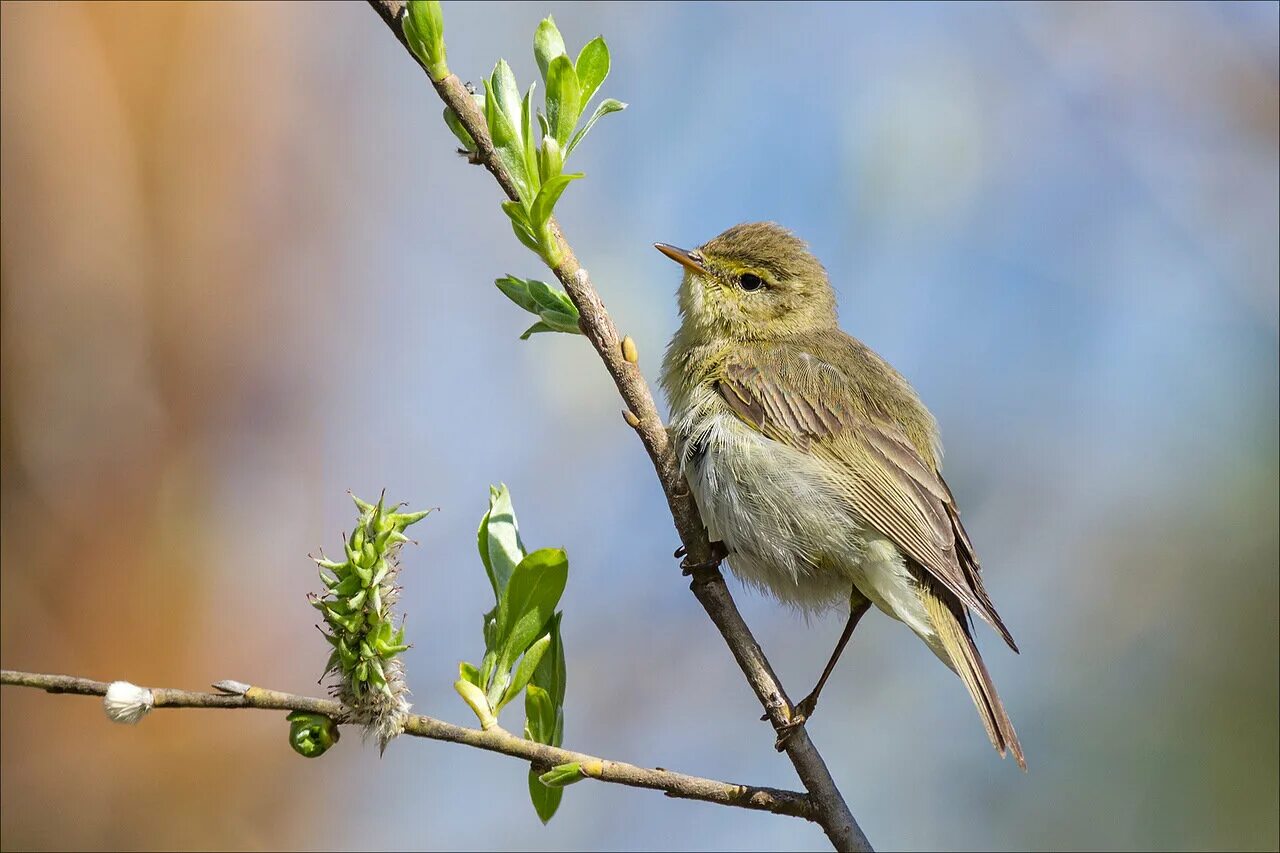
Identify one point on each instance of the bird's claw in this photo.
(799, 715)
(787, 731)
(718, 553)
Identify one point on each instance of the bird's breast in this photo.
(784, 523)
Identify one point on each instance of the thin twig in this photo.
(495, 739)
(708, 584)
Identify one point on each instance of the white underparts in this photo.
(788, 530)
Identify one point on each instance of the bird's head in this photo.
(756, 281)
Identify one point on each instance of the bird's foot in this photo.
(799, 715)
(718, 553)
(787, 732)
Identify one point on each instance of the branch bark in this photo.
(708, 585)
(495, 739)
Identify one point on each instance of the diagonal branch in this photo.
(494, 739)
(708, 584)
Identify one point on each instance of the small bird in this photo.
(814, 464)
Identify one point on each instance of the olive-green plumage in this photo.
(812, 459)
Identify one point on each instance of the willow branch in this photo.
(708, 584)
(495, 739)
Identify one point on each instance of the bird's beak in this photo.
(688, 260)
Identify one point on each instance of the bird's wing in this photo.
(806, 403)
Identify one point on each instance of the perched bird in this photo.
(813, 461)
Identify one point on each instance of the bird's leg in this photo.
(857, 607)
(801, 712)
(718, 553)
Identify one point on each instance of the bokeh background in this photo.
(243, 272)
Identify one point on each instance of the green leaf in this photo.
(424, 31)
(528, 664)
(516, 213)
(475, 698)
(550, 674)
(539, 715)
(608, 105)
(564, 98)
(556, 312)
(520, 224)
(592, 67)
(534, 329)
(517, 290)
(549, 298)
(558, 321)
(550, 158)
(530, 147)
(547, 198)
(455, 124)
(545, 800)
(501, 678)
(507, 94)
(551, 677)
(491, 632)
(525, 236)
(430, 19)
(506, 140)
(562, 775)
(541, 725)
(547, 45)
(487, 664)
(499, 541)
(500, 129)
(468, 673)
(530, 599)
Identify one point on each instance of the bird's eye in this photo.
(750, 281)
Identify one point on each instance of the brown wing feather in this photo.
(969, 560)
(948, 617)
(896, 490)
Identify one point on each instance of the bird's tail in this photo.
(953, 634)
